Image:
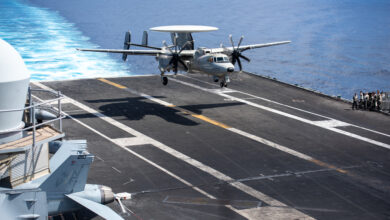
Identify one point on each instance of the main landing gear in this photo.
(164, 80)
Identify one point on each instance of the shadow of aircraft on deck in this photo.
(136, 108)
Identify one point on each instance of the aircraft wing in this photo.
(253, 46)
(128, 52)
(248, 47)
(99, 209)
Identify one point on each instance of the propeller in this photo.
(236, 54)
(176, 59)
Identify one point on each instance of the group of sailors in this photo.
(368, 101)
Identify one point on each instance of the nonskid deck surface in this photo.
(257, 149)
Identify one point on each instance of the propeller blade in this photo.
(175, 42)
(182, 48)
(184, 65)
(174, 62)
(231, 40)
(165, 44)
(245, 58)
(176, 65)
(234, 60)
(239, 63)
(171, 61)
(239, 43)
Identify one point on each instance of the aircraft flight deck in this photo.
(257, 149)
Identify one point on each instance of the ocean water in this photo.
(47, 42)
(338, 46)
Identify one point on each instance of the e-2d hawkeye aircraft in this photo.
(218, 62)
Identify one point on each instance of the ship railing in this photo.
(32, 107)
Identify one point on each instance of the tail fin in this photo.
(126, 44)
(69, 168)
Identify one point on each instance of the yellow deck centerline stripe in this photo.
(112, 83)
(323, 164)
(211, 121)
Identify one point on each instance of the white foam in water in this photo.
(47, 43)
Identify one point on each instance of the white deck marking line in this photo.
(284, 105)
(242, 98)
(132, 141)
(349, 134)
(331, 123)
(99, 158)
(292, 213)
(225, 90)
(271, 144)
(371, 141)
(116, 170)
(228, 90)
(370, 130)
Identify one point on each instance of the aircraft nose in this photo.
(230, 69)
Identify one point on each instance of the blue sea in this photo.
(338, 47)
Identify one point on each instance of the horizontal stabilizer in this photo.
(99, 209)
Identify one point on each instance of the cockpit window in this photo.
(221, 59)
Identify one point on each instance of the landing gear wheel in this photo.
(164, 80)
(222, 84)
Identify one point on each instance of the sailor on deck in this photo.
(354, 103)
(366, 97)
(361, 100)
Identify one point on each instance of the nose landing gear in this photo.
(224, 82)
